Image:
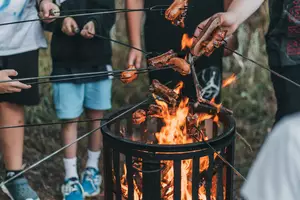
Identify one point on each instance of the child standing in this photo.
(19, 51)
(74, 50)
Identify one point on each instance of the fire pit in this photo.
(159, 159)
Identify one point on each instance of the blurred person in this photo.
(10, 87)
(282, 45)
(275, 173)
(19, 47)
(161, 36)
(74, 49)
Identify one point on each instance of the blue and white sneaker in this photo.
(91, 181)
(19, 189)
(72, 190)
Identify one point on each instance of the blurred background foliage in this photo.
(250, 97)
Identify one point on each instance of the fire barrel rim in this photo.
(220, 141)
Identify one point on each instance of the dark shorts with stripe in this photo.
(26, 64)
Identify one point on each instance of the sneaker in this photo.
(91, 181)
(72, 189)
(19, 189)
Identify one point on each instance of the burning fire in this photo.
(186, 42)
(175, 131)
(229, 80)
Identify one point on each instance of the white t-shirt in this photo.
(275, 174)
(22, 37)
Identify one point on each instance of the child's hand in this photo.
(10, 87)
(46, 6)
(88, 30)
(69, 26)
(135, 58)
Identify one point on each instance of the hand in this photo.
(88, 30)
(229, 22)
(69, 26)
(10, 87)
(46, 8)
(135, 58)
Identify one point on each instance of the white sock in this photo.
(93, 159)
(71, 167)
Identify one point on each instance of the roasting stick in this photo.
(66, 146)
(198, 87)
(75, 141)
(220, 156)
(97, 12)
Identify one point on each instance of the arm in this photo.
(232, 42)
(237, 12)
(134, 27)
(243, 9)
(134, 22)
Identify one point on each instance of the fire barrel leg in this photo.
(108, 187)
(151, 180)
(229, 172)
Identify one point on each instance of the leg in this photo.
(12, 113)
(97, 99)
(12, 139)
(68, 100)
(95, 140)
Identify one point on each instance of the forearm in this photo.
(134, 22)
(243, 9)
(227, 4)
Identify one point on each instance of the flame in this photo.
(229, 80)
(175, 131)
(178, 87)
(186, 41)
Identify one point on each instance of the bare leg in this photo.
(69, 135)
(12, 140)
(95, 140)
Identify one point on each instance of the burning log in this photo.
(177, 12)
(139, 116)
(129, 76)
(164, 92)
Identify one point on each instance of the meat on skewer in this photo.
(164, 92)
(177, 12)
(170, 58)
(129, 76)
(139, 116)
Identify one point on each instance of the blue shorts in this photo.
(70, 99)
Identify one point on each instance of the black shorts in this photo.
(26, 64)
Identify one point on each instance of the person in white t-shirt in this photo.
(19, 50)
(275, 174)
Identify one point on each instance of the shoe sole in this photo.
(5, 190)
(93, 194)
